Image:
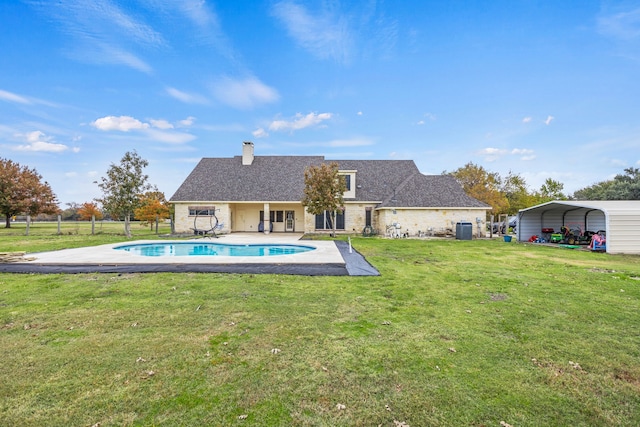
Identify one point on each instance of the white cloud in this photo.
(527, 119)
(187, 98)
(325, 35)
(299, 122)
(522, 151)
(161, 124)
(623, 25)
(121, 123)
(245, 93)
(156, 130)
(549, 120)
(38, 141)
(12, 97)
(5, 95)
(110, 54)
(491, 154)
(525, 154)
(429, 116)
(100, 29)
(359, 113)
(260, 133)
(189, 121)
(170, 137)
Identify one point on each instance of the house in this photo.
(250, 193)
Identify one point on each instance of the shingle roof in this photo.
(269, 178)
(391, 183)
(431, 191)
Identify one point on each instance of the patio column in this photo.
(266, 221)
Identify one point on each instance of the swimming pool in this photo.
(182, 249)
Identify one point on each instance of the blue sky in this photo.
(546, 89)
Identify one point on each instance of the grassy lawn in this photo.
(44, 236)
(453, 333)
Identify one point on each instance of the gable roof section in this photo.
(432, 191)
(375, 179)
(391, 183)
(269, 178)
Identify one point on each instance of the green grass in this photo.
(44, 236)
(452, 333)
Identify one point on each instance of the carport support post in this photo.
(266, 221)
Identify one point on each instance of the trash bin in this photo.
(464, 231)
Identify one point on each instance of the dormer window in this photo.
(347, 180)
(350, 181)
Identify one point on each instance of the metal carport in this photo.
(619, 218)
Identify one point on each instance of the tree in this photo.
(482, 185)
(153, 206)
(71, 213)
(23, 192)
(324, 188)
(122, 187)
(621, 187)
(551, 190)
(514, 188)
(89, 210)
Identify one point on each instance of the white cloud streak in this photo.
(102, 32)
(299, 122)
(622, 25)
(243, 94)
(187, 98)
(260, 133)
(12, 97)
(325, 35)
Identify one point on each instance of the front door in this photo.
(289, 223)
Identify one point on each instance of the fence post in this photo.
(59, 219)
(28, 224)
(93, 225)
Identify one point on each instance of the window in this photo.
(347, 180)
(202, 210)
(274, 216)
(323, 221)
(367, 217)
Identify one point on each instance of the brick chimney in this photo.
(247, 153)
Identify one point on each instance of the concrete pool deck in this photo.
(330, 258)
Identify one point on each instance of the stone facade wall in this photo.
(412, 220)
(184, 223)
(429, 220)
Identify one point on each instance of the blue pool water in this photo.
(211, 249)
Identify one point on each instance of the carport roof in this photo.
(603, 205)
